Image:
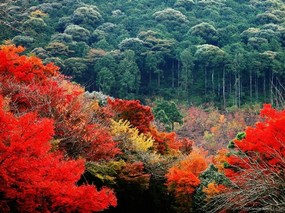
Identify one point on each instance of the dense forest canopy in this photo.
(229, 52)
(73, 139)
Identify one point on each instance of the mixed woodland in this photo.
(230, 52)
(170, 106)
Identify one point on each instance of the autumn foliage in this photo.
(32, 86)
(141, 117)
(35, 180)
(55, 140)
(138, 115)
(183, 179)
(213, 129)
(263, 144)
(255, 166)
(49, 129)
(41, 114)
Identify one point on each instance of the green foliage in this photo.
(87, 15)
(240, 136)
(23, 40)
(206, 31)
(170, 14)
(167, 113)
(209, 176)
(78, 33)
(199, 51)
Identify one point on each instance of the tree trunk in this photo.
(250, 85)
(236, 90)
(149, 82)
(256, 88)
(178, 74)
(158, 79)
(264, 89)
(213, 83)
(205, 70)
(172, 75)
(239, 90)
(224, 88)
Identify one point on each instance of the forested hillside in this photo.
(229, 52)
(75, 135)
(63, 149)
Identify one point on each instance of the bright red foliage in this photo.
(141, 117)
(33, 179)
(165, 141)
(263, 144)
(23, 68)
(138, 115)
(33, 87)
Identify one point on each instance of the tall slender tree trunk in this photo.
(256, 88)
(158, 79)
(213, 83)
(224, 87)
(205, 70)
(178, 74)
(250, 85)
(236, 90)
(239, 90)
(264, 89)
(172, 75)
(186, 86)
(230, 86)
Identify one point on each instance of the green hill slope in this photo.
(230, 52)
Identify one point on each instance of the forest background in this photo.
(227, 52)
(222, 55)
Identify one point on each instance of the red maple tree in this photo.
(256, 166)
(33, 179)
(32, 86)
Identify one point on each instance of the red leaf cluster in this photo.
(141, 117)
(23, 68)
(51, 95)
(33, 179)
(183, 178)
(165, 141)
(138, 115)
(133, 173)
(263, 145)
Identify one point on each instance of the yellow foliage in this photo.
(222, 119)
(94, 105)
(55, 144)
(38, 14)
(106, 171)
(213, 189)
(220, 159)
(130, 137)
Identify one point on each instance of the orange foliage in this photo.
(220, 159)
(183, 178)
(165, 142)
(213, 189)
